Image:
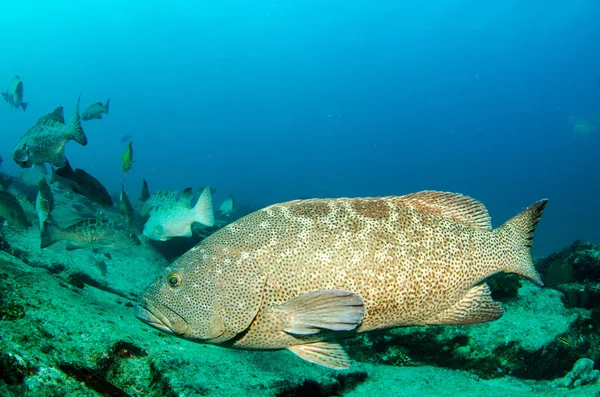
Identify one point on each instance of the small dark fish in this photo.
(95, 110)
(125, 206)
(93, 189)
(14, 94)
(126, 138)
(82, 183)
(90, 232)
(145, 192)
(127, 158)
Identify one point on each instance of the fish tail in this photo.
(518, 232)
(203, 210)
(49, 234)
(106, 106)
(24, 105)
(76, 130)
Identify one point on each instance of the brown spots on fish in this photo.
(309, 208)
(375, 209)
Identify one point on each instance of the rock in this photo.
(583, 373)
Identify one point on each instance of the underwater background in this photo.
(270, 101)
(276, 100)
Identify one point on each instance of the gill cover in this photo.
(218, 299)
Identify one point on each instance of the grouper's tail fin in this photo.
(203, 210)
(75, 128)
(518, 233)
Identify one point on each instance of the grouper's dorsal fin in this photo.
(186, 196)
(463, 209)
(56, 115)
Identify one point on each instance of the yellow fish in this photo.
(302, 274)
(127, 158)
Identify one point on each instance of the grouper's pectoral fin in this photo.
(334, 310)
(327, 354)
(475, 307)
(58, 159)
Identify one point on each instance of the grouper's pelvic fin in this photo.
(519, 231)
(76, 132)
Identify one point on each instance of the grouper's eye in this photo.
(174, 280)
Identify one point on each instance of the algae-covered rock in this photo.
(583, 373)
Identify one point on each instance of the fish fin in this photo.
(327, 354)
(59, 159)
(24, 105)
(71, 246)
(56, 115)
(519, 231)
(106, 105)
(145, 191)
(49, 234)
(186, 195)
(475, 307)
(76, 132)
(462, 209)
(310, 313)
(42, 169)
(5, 96)
(203, 210)
(44, 206)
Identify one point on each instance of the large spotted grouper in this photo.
(301, 275)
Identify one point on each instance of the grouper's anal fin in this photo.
(475, 307)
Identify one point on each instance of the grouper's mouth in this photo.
(161, 317)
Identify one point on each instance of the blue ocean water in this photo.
(275, 100)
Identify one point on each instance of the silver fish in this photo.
(175, 219)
